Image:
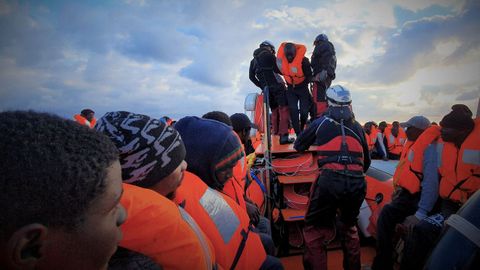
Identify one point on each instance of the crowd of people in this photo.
(286, 78)
(175, 194)
(182, 204)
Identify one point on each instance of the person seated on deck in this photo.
(218, 116)
(394, 139)
(343, 159)
(152, 157)
(381, 149)
(416, 187)
(235, 186)
(213, 150)
(242, 125)
(375, 141)
(86, 118)
(167, 120)
(459, 168)
(125, 259)
(61, 189)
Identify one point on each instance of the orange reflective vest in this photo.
(224, 222)
(395, 144)
(158, 228)
(83, 121)
(460, 168)
(409, 172)
(292, 72)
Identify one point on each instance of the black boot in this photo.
(284, 139)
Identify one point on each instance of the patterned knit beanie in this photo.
(149, 149)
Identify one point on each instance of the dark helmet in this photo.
(321, 37)
(290, 51)
(86, 112)
(267, 43)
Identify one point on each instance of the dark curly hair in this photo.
(51, 170)
(219, 116)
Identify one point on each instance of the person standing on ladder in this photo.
(343, 158)
(324, 63)
(296, 70)
(263, 73)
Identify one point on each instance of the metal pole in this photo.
(478, 108)
(267, 144)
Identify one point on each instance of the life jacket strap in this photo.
(241, 247)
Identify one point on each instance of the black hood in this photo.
(260, 50)
(340, 112)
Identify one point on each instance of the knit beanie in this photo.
(149, 149)
(460, 118)
(211, 147)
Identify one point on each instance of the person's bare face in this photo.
(169, 185)
(91, 245)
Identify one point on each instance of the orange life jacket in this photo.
(240, 171)
(158, 228)
(235, 186)
(460, 168)
(83, 121)
(395, 144)
(223, 221)
(371, 138)
(292, 72)
(258, 116)
(409, 172)
(257, 139)
(255, 194)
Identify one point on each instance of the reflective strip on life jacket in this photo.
(391, 139)
(471, 156)
(439, 154)
(221, 214)
(201, 236)
(411, 155)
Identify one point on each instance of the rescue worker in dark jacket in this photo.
(264, 72)
(324, 63)
(343, 158)
(296, 70)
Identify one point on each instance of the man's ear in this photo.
(25, 245)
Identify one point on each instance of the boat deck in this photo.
(335, 259)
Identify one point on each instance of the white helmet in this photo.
(338, 95)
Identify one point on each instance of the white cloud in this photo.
(189, 57)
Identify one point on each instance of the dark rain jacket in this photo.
(323, 58)
(262, 68)
(313, 135)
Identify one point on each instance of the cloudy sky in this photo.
(177, 58)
